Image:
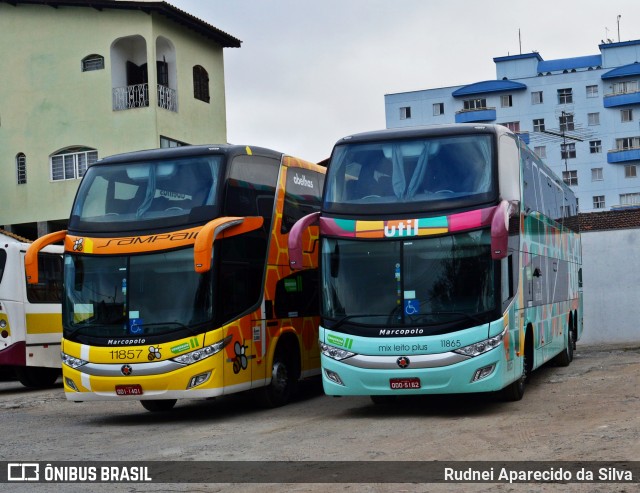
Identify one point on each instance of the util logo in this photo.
(401, 228)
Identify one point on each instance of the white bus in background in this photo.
(30, 314)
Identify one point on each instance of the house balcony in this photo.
(623, 155)
(137, 96)
(621, 99)
(476, 115)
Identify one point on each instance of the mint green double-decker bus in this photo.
(450, 263)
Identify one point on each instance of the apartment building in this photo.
(581, 115)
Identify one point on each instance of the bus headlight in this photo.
(335, 352)
(481, 347)
(203, 353)
(72, 362)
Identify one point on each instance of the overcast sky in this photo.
(312, 71)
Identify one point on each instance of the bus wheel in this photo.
(566, 356)
(36, 377)
(283, 380)
(159, 406)
(515, 390)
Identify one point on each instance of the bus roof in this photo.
(422, 131)
(190, 150)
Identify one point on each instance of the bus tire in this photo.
(36, 377)
(284, 378)
(515, 390)
(159, 406)
(566, 356)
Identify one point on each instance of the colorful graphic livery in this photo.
(177, 277)
(450, 263)
(30, 321)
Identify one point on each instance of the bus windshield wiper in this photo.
(169, 324)
(349, 317)
(469, 316)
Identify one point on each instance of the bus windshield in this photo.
(396, 172)
(434, 283)
(140, 295)
(131, 196)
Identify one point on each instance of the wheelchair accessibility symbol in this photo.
(411, 307)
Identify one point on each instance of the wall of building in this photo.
(47, 103)
(611, 266)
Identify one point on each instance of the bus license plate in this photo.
(129, 389)
(404, 383)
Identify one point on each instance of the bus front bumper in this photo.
(446, 373)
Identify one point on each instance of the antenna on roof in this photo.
(520, 41)
(619, 27)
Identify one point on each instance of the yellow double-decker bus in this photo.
(176, 276)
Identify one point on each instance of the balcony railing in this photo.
(129, 97)
(487, 114)
(621, 99)
(623, 155)
(137, 96)
(167, 98)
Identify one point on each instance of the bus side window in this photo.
(303, 195)
(241, 260)
(251, 187)
(297, 295)
(49, 287)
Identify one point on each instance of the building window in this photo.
(513, 126)
(506, 101)
(565, 96)
(566, 122)
(438, 109)
(570, 177)
(596, 174)
(166, 142)
(475, 104)
(568, 151)
(200, 84)
(21, 168)
(593, 118)
(630, 198)
(630, 171)
(625, 87)
(541, 151)
(626, 115)
(592, 91)
(71, 163)
(598, 202)
(405, 113)
(595, 146)
(92, 62)
(536, 97)
(538, 125)
(627, 143)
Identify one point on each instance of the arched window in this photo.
(21, 168)
(72, 162)
(92, 62)
(200, 83)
